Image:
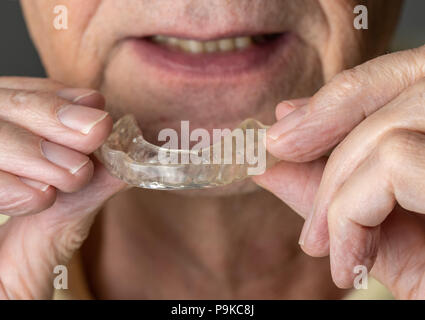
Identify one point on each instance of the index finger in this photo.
(309, 132)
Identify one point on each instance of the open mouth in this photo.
(214, 46)
(229, 55)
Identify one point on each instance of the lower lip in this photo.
(210, 64)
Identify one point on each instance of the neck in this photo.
(183, 246)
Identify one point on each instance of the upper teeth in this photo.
(194, 46)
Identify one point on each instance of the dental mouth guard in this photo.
(129, 157)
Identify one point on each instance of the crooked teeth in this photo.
(243, 42)
(196, 47)
(226, 44)
(192, 46)
(211, 46)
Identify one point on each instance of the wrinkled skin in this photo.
(232, 243)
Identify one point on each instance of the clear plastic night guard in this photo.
(128, 156)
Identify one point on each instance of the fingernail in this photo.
(283, 109)
(80, 118)
(286, 107)
(306, 229)
(286, 124)
(64, 157)
(35, 184)
(296, 103)
(75, 94)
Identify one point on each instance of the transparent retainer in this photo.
(129, 157)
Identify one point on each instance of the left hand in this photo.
(364, 205)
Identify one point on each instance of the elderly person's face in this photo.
(108, 45)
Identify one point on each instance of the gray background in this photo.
(18, 57)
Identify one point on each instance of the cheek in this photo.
(344, 46)
(347, 46)
(63, 52)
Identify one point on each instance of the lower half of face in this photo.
(212, 62)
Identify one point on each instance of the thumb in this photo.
(342, 104)
(295, 184)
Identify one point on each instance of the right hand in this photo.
(49, 186)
